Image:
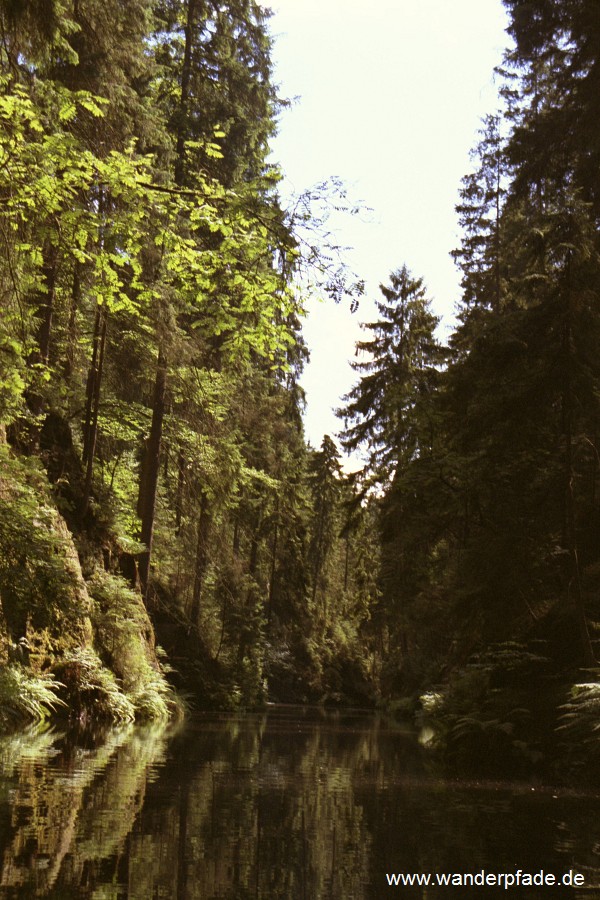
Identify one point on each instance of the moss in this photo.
(41, 586)
(90, 646)
(125, 640)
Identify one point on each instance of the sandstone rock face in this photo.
(87, 643)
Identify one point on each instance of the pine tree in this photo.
(324, 475)
(480, 256)
(520, 394)
(387, 410)
(557, 56)
(224, 112)
(393, 409)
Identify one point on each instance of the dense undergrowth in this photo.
(70, 647)
(509, 712)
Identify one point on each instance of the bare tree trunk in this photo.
(49, 263)
(71, 339)
(273, 572)
(201, 557)
(251, 597)
(151, 468)
(186, 73)
(93, 402)
(45, 311)
(180, 486)
(573, 574)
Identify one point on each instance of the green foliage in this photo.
(155, 701)
(26, 698)
(124, 639)
(150, 352)
(388, 411)
(90, 689)
(580, 719)
(38, 584)
(481, 718)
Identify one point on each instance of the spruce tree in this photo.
(387, 410)
(393, 411)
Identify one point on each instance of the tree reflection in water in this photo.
(292, 803)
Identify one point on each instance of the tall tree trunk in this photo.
(151, 468)
(573, 574)
(273, 573)
(251, 594)
(180, 486)
(45, 312)
(201, 557)
(71, 330)
(46, 309)
(92, 378)
(93, 402)
(186, 74)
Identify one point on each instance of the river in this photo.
(289, 803)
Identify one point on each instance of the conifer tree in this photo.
(387, 409)
(324, 475)
(393, 410)
(480, 257)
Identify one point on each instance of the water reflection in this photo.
(295, 804)
(69, 803)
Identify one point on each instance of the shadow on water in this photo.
(290, 803)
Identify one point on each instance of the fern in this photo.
(580, 717)
(26, 697)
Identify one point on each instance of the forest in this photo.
(169, 540)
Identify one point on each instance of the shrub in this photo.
(481, 720)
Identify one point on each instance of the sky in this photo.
(388, 95)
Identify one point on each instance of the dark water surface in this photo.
(291, 803)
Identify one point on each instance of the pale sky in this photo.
(390, 98)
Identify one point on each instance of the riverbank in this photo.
(72, 645)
